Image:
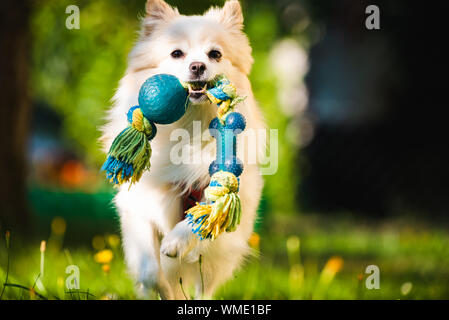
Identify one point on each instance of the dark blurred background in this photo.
(378, 99)
(360, 113)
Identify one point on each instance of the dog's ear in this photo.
(231, 15)
(157, 12)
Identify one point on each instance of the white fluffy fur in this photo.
(151, 211)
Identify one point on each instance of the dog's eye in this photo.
(177, 54)
(214, 54)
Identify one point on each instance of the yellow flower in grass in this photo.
(334, 265)
(106, 268)
(113, 240)
(254, 240)
(104, 256)
(331, 268)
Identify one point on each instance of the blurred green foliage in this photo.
(77, 71)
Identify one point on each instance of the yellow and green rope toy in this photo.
(222, 210)
(162, 100)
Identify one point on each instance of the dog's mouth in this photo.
(197, 89)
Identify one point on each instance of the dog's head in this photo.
(193, 48)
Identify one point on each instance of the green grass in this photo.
(413, 258)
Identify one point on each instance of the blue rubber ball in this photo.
(235, 121)
(163, 99)
(213, 167)
(233, 165)
(214, 127)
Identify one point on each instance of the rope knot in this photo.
(142, 124)
(224, 212)
(224, 95)
(226, 180)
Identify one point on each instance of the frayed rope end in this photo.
(130, 153)
(117, 171)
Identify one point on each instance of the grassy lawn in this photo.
(297, 257)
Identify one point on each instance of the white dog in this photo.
(160, 248)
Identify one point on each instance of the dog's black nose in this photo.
(197, 68)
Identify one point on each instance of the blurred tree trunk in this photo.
(14, 113)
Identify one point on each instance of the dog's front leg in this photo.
(181, 242)
(141, 246)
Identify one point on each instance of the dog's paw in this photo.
(178, 242)
(174, 247)
(193, 255)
